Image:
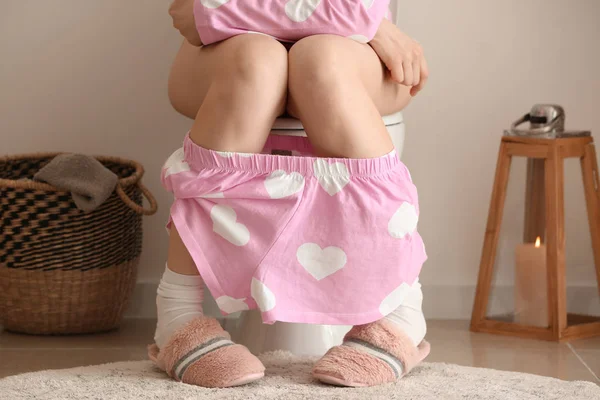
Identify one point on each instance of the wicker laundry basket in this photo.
(63, 271)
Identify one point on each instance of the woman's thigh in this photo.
(190, 77)
(339, 89)
(195, 68)
(388, 96)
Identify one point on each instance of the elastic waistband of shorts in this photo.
(199, 158)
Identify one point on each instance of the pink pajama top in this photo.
(289, 20)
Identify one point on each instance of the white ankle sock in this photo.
(178, 301)
(409, 316)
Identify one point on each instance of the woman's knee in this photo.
(255, 60)
(319, 70)
(255, 69)
(321, 67)
(318, 60)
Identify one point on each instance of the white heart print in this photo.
(176, 163)
(404, 221)
(225, 225)
(263, 296)
(394, 299)
(331, 176)
(321, 263)
(213, 3)
(301, 10)
(359, 38)
(215, 195)
(368, 3)
(281, 184)
(231, 305)
(260, 33)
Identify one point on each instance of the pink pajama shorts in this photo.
(289, 20)
(304, 239)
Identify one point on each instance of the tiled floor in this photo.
(451, 342)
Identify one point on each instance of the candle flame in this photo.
(537, 242)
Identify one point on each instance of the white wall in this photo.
(91, 77)
(490, 61)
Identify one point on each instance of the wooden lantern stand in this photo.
(544, 213)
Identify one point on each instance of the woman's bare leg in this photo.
(234, 90)
(339, 89)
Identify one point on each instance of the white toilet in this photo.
(394, 124)
(301, 339)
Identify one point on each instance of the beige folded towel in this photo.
(89, 182)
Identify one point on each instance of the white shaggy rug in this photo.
(288, 377)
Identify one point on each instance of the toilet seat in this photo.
(288, 126)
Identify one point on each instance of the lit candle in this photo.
(531, 306)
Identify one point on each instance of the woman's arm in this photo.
(402, 55)
(182, 12)
(219, 19)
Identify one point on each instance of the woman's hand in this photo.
(182, 12)
(402, 55)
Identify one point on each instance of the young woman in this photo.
(327, 236)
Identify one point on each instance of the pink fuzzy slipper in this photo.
(200, 353)
(371, 355)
